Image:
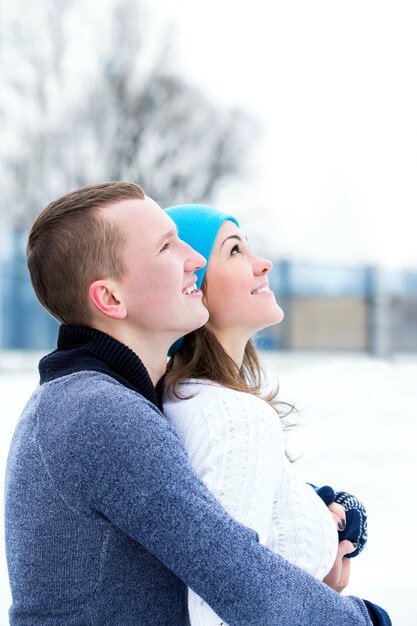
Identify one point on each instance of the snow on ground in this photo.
(358, 433)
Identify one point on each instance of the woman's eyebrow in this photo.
(234, 237)
(231, 237)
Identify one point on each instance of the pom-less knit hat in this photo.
(198, 225)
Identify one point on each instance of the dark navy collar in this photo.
(81, 348)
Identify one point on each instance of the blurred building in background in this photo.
(366, 309)
(362, 309)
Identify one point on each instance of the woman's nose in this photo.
(262, 266)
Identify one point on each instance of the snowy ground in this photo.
(359, 434)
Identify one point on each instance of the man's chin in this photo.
(198, 321)
(195, 321)
(203, 319)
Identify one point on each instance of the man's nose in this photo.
(194, 260)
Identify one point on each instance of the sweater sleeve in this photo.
(116, 457)
(235, 445)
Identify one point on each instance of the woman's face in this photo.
(236, 292)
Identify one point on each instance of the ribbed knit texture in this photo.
(106, 522)
(80, 348)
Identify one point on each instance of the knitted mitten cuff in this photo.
(378, 616)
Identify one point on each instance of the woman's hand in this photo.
(339, 515)
(338, 577)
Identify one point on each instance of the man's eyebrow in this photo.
(169, 234)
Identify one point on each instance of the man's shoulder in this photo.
(88, 383)
(85, 408)
(86, 395)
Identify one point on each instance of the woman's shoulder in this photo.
(194, 391)
(197, 388)
(200, 394)
(188, 408)
(218, 419)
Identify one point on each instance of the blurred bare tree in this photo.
(131, 116)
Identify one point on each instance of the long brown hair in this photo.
(202, 356)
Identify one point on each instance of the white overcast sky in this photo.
(334, 85)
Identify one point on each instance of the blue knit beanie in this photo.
(198, 225)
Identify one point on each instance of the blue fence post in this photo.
(24, 323)
(13, 315)
(286, 298)
(380, 340)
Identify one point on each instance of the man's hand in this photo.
(338, 577)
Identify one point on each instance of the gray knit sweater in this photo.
(106, 522)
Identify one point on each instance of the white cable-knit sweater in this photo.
(235, 444)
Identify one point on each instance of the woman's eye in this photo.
(235, 249)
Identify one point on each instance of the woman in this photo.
(230, 428)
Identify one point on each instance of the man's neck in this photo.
(152, 351)
(84, 348)
(153, 359)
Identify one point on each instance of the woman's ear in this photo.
(104, 296)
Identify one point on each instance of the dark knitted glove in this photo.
(326, 493)
(356, 529)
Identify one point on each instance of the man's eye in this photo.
(164, 247)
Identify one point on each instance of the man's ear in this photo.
(104, 296)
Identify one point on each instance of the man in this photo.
(106, 523)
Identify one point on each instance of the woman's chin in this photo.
(276, 316)
(267, 323)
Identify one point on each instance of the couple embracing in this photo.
(140, 496)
